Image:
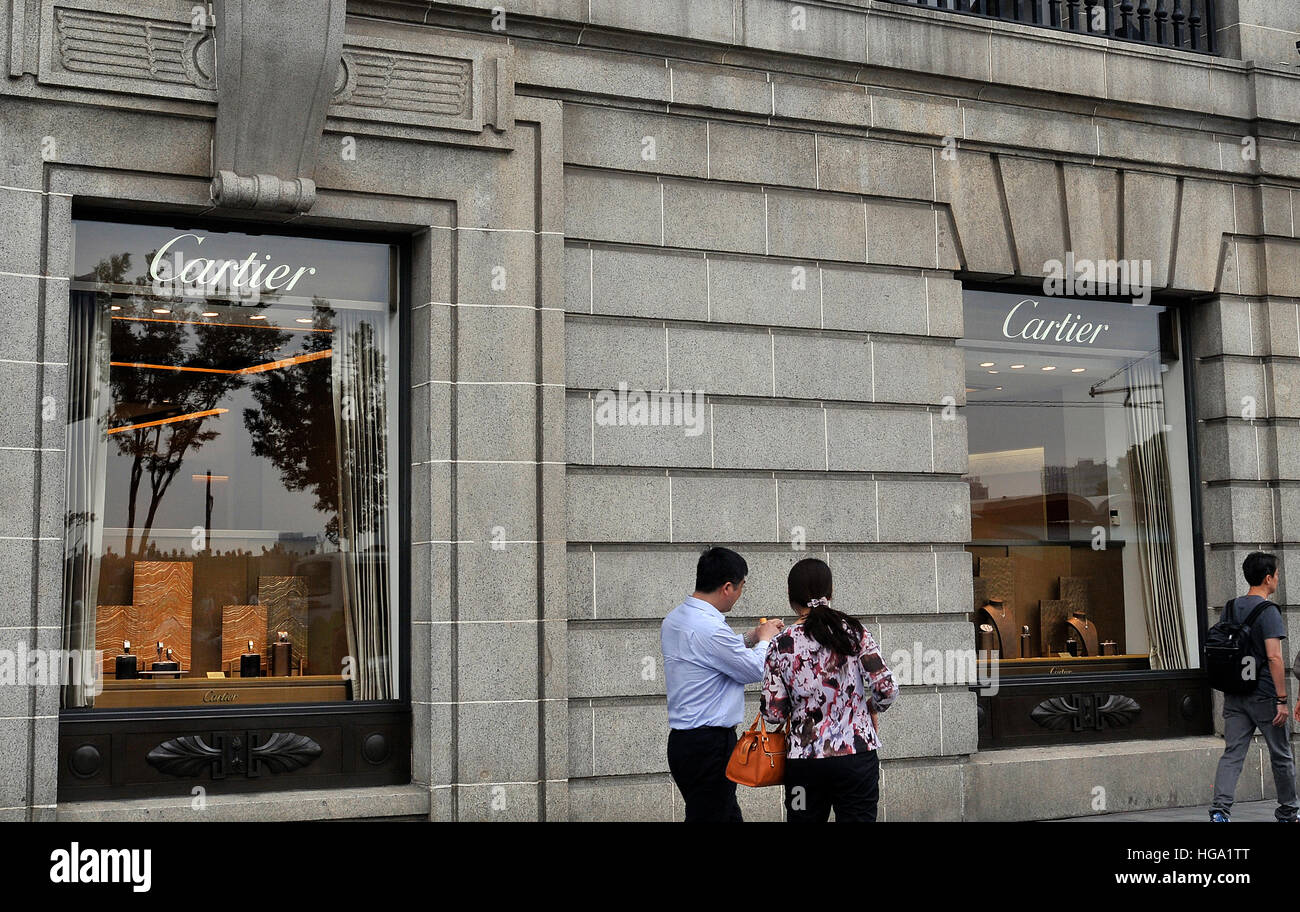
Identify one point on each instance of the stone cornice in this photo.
(875, 38)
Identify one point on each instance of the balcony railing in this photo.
(1183, 24)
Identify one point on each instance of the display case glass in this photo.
(232, 468)
(1081, 523)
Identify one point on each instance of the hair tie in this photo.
(813, 603)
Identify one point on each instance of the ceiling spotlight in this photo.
(1016, 367)
(1050, 367)
(211, 313)
(161, 310)
(258, 317)
(303, 320)
(1077, 370)
(997, 387)
(992, 372)
(114, 307)
(988, 364)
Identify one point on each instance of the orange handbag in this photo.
(758, 759)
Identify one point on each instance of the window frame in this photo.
(79, 723)
(995, 731)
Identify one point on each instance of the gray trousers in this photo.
(1242, 715)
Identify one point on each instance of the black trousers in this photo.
(697, 758)
(849, 783)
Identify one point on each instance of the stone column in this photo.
(34, 272)
(487, 579)
(1247, 343)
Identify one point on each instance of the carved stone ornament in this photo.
(405, 82)
(286, 751)
(273, 69)
(263, 191)
(277, 64)
(183, 756)
(189, 755)
(114, 44)
(1080, 712)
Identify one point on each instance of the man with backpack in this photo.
(1244, 659)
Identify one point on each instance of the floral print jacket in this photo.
(828, 699)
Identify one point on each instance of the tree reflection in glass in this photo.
(293, 425)
(168, 374)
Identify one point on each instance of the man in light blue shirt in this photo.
(706, 668)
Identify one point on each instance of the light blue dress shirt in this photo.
(706, 666)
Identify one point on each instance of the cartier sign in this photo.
(174, 273)
(220, 696)
(1070, 328)
(1056, 323)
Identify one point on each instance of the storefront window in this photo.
(1079, 481)
(232, 479)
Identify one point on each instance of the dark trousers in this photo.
(849, 783)
(1242, 716)
(697, 758)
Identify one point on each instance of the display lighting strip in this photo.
(297, 329)
(254, 369)
(148, 424)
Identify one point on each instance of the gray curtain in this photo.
(361, 419)
(87, 449)
(1148, 467)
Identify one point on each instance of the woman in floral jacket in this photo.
(825, 676)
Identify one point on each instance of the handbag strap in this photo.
(760, 725)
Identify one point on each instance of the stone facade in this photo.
(680, 195)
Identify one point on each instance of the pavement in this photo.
(1242, 812)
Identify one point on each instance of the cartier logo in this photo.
(220, 696)
(1071, 329)
(202, 276)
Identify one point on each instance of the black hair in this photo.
(810, 579)
(1258, 565)
(717, 567)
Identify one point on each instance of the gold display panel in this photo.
(239, 624)
(222, 692)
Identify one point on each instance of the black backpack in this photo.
(1233, 666)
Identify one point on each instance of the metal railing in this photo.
(1182, 24)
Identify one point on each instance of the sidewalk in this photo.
(1242, 812)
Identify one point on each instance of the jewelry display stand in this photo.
(1004, 625)
(1085, 631)
(239, 624)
